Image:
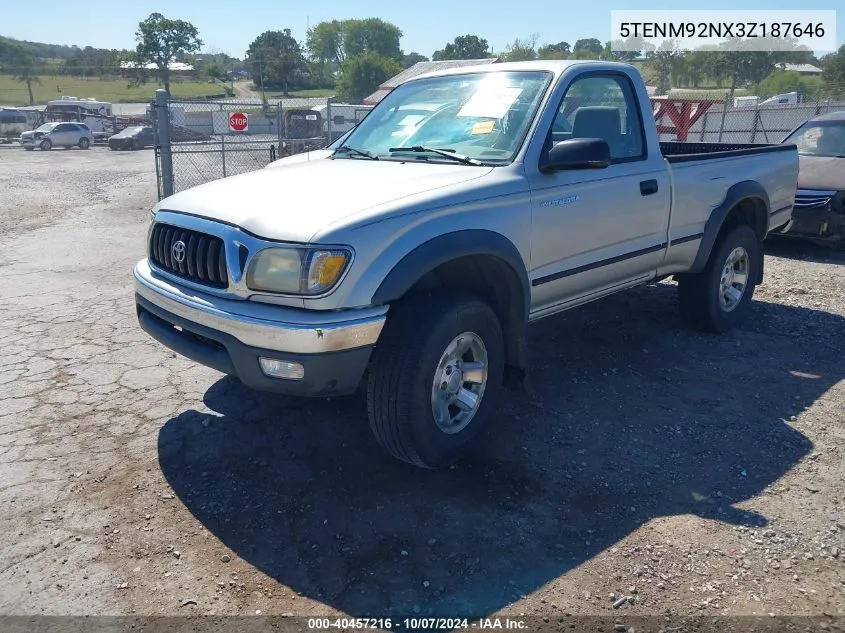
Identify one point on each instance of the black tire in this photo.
(29, 149)
(699, 293)
(84, 143)
(402, 372)
(46, 145)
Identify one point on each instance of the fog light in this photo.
(282, 368)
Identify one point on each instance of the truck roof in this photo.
(549, 65)
(68, 100)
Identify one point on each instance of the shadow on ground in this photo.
(635, 417)
(803, 249)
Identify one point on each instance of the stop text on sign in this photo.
(238, 122)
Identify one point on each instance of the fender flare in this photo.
(744, 190)
(444, 248)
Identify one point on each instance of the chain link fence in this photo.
(719, 121)
(197, 142)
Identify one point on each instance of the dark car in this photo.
(136, 137)
(819, 212)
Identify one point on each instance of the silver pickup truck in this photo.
(408, 258)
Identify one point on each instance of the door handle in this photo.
(648, 187)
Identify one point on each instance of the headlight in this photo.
(300, 271)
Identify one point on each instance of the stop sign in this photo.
(238, 122)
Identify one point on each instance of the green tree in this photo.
(277, 60)
(695, 67)
(833, 73)
(560, 50)
(22, 64)
(162, 41)
(521, 50)
(590, 46)
(336, 41)
(413, 58)
(783, 81)
(325, 42)
(464, 47)
(362, 74)
(739, 67)
(372, 35)
(214, 70)
(664, 60)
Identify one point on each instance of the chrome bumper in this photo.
(264, 326)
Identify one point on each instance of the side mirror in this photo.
(577, 153)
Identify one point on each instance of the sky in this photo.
(229, 26)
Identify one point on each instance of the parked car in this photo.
(55, 134)
(819, 213)
(417, 271)
(134, 138)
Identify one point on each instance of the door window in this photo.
(606, 107)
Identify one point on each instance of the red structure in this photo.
(683, 113)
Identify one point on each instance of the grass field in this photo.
(13, 92)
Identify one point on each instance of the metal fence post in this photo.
(279, 122)
(724, 114)
(329, 120)
(157, 146)
(754, 126)
(223, 153)
(163, 120)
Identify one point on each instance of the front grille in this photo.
(204, 260)
(808, 199)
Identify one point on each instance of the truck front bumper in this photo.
(305, 352)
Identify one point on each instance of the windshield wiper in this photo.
(359, 152)
(448, 153)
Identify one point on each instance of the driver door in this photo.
(596, 230)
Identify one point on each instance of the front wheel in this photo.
(718, 298)
(46, 144)
(436, 372)
(84, 143)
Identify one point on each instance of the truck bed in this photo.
(679, 152)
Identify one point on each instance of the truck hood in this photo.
(295, 201)
(821, 172)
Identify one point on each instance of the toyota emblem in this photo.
(178, 251)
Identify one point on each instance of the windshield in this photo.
(131, 131)
(483, 116)
(822, 138)
(46, 127)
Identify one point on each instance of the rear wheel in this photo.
(84, 143)
(46, 144)
(136, 144)
(719, 297)
(435, 374)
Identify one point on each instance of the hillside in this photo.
(58, 52)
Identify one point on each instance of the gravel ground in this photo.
(655, 470)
